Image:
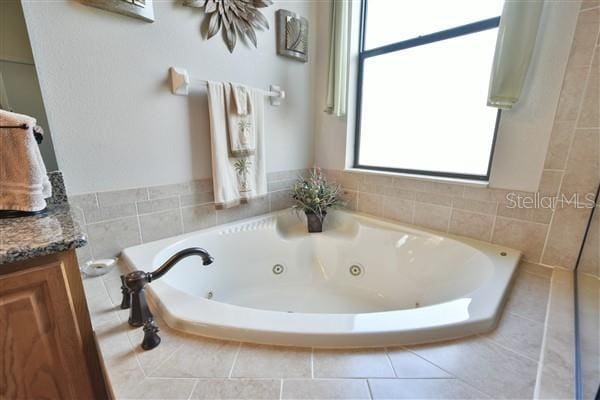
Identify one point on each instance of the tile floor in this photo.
(500, 364)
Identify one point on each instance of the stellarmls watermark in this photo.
(537, 200)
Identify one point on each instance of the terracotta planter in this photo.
(315, 224)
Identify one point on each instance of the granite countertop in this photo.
(27, 237)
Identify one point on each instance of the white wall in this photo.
(116, 124)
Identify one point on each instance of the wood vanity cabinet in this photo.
(47, 346)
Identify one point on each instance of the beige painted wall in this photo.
(104, 82)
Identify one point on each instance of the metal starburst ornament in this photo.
(236, 17)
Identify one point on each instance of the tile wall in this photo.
(118, 219)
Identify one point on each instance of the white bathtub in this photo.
(412, 286)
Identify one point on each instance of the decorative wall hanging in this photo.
(292, 35)
(236, 17)
(142, 9)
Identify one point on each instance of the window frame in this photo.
(363, 54)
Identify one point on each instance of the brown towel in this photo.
(24, 183)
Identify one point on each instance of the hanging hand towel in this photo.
(236, 179)
(24, 183)
(240, 119)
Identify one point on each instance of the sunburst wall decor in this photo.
(233, 18)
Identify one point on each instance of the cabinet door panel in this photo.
(41, 351)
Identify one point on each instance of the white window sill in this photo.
(457, 181)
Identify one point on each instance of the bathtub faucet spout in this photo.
(134, 293)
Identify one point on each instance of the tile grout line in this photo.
(312, 363)
(281, 389)
(369, 388)
(235, 357)
(387, 355)
(194, 388)
(538, 375)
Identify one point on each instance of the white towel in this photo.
(24, 183)
(240, 119)
(236, 179)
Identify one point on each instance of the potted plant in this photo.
(314, 195)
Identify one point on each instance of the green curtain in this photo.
(514, 48)
(337, 77)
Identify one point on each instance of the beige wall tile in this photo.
(198, 217)
(105, 213)
(590, 258)
(484, 207)
(584, 41)
(399, 193)
(280, 185)
(431, 216)
(521, 235)
(325, 389)
(565, 237)
(370, 203)
(398, 209)
(201, 185)
(242, 389)
(434, 198)
(571, 93)
(451, 189)
(485, 365)
(88, 200)
(589, 116)
(386, 389)
(409, 184)
(409, 365)
(280, 200)
(510, 210)
(161, 225)
(473, 225)
(122, 196)
(196, 198)
(586, 4)
(150, 206)
(352, 363)
(558, 148)
(550, 182)
(350, 199)
(109, 238)
(582, 173)
(176, 189)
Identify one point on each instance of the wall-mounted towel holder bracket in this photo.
(181, 83)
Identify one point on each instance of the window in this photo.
(423, 75)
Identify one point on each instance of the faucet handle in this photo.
(151, 338)
(126, 292)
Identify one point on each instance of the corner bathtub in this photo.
(362, 282)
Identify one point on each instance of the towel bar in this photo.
(181, 82)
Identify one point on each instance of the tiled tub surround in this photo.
(501, 364)
(118, 219)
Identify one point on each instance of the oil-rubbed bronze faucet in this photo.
(134, 294)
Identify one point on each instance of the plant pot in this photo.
(314, 222)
